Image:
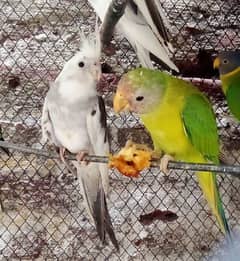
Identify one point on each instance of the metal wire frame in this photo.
(226, 169)
(42, 216)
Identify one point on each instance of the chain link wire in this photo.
(43, 216)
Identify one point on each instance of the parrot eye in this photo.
(225, 61)
(139, 98)
(81, 64)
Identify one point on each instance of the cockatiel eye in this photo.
(81, 64)
(225, 61)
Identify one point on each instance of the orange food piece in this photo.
(131, 159)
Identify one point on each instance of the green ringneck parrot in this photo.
(228, 64)
(180, 120)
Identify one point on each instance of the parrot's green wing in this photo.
(200, 125)
(201, 128)
(233, 99)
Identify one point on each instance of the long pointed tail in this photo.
(102, 219)
(95, 201)
(208, 183)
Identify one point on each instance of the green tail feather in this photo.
(208, 183)
(220, 209)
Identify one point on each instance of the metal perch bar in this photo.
(195, 80)
(226, 169)
(114, 13)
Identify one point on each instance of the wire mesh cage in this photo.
(43, 217)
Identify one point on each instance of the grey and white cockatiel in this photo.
(144, 25)
(74, 118)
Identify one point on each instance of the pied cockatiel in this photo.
(144, 25)
(74, 118)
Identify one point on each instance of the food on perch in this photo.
(131, 159)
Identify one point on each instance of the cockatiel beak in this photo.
(120, 103)
(216, 63)
(96, 73)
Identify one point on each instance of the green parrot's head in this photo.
(227, 62)
(139, 91)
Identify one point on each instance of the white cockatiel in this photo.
(144, 25)
(74, 118)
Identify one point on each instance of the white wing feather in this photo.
(146, 14)
(47, 126)
(93, 178)
(96, 125)
(140, 31)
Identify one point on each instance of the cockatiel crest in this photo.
(85, 64)
(90, 45)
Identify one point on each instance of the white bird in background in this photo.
(74, 118)
(144, 25)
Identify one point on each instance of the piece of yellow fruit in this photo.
(131, 159)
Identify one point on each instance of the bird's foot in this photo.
(65, 162)
(61, 153)
(164, 163)
(80, 157)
